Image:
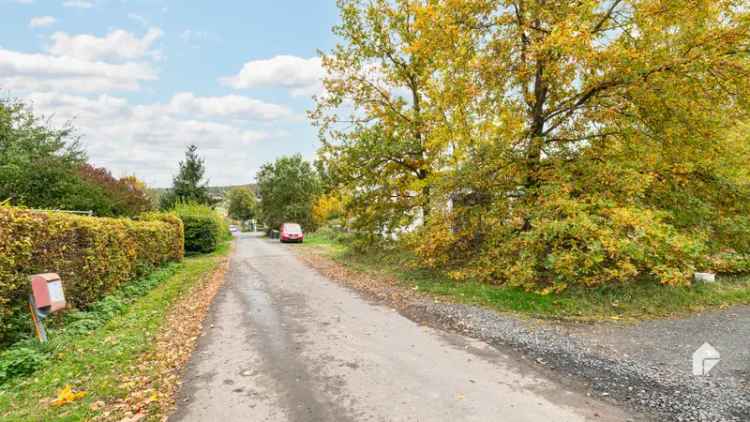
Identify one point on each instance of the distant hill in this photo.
(216, 191)
(222, 190)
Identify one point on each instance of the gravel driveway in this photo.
(285, 343)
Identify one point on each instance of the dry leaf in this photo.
(67, 395)
(135, 418)
(96, 405)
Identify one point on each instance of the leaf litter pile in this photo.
(377, 286)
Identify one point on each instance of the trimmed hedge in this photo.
(92, 255)
(201, 233)
(204, 227)
(176, 223)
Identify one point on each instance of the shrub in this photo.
(177, 226)
(201, 233)
(333, 233)
(569, 244)
(27, 355)
(327, 208)
(204, 227)
(20, 361)
(92, 255)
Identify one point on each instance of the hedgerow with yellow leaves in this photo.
(92, 255)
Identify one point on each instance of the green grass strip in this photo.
(95, 362)
(632, 300)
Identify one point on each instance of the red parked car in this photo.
(291, 232)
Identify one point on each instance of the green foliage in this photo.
(546, 144)
(288, 189)
(639, 299)
(45, 168)
(329, 234)
(188, 185)
(20, 361)
(242, 204)
(38, 165)
(98, 360)
(92, 255)
(204, 227)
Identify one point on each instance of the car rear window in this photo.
(293, 228)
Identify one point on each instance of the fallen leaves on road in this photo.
(154, 379)
(67, 395)
(377, 286)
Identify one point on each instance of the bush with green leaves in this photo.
(204, 227)
(26, 355)
(333, 233)
(19, 361)
(45, 168)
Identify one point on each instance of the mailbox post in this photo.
(47, 296)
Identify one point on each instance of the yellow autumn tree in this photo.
(585, 142)
(327, 208)
(377, 151)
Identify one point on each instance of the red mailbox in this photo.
(47, 292)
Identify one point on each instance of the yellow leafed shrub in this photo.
(92, 255)
(326, 208)
(568, 244)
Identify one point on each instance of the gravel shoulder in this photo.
(645, 366)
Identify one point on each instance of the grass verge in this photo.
(96, 363)
(633, 301)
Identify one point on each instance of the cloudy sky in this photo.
(141, 79)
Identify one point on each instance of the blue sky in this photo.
(141, 79)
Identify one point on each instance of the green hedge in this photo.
(204, 227)
(201, 234)
(92, 255)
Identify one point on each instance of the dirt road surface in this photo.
(283, 343)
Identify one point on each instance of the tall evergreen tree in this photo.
(188, 184)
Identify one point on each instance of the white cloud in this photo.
(83, 63)
(41, 21)
(195, 38)
(23, 1)
(148, 140)
(230, 106)
(117, 44)
(301, 76)
(80, 4)
(27, 72)
(139, 19)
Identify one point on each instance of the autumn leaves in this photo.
(544, 143)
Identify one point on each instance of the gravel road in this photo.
(284, 343)
(647, 366)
